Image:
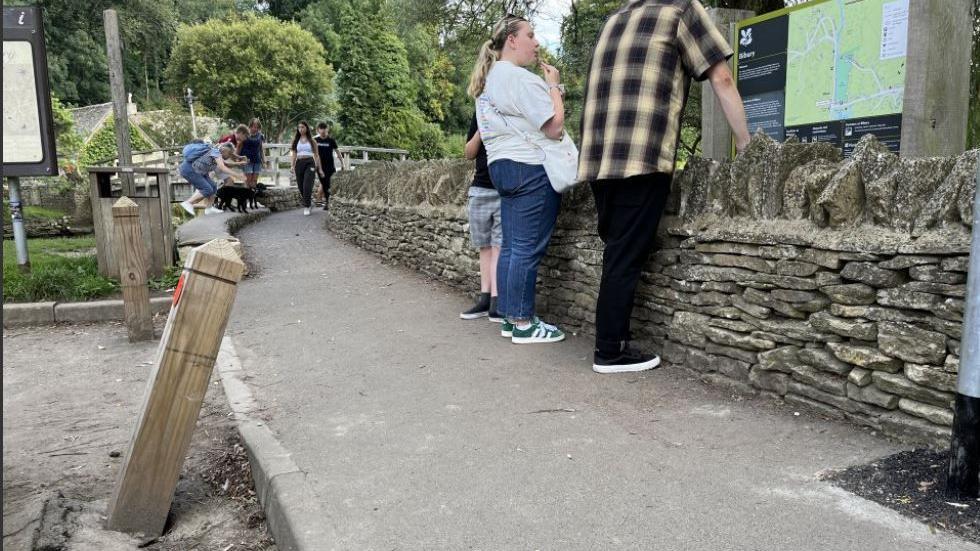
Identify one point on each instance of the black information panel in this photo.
(28, 132)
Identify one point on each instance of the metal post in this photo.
(190, 102)
(964, 457)
(17, 218)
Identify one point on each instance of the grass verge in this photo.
(64, 269)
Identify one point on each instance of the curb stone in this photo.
(292, 510)
(39, 313)
(30, 313)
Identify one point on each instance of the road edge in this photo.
(293, 512)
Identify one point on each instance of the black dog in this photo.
(259, 191)
(242, 196)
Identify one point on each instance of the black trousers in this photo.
(325, 184)
(305, 176)
(629, 212)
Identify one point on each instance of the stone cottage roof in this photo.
(90, 118)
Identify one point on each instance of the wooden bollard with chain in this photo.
(132, 269)
(176, 388)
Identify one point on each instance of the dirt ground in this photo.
(912, 483)
(70, 398)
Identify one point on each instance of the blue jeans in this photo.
(200, 182)
(528, 211)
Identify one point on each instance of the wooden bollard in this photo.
(132, 269)
(176, 388)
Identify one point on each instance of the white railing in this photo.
(275, 171)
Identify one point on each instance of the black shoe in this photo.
(479, 310)
(495, 316)
(627, 361)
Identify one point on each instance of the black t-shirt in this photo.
(325, 147)
(482, 176)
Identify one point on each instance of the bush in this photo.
(428, 143)
(455, 146)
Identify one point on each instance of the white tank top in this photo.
(304, 149)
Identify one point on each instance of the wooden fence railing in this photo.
(276, 170)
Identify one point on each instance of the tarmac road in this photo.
(418, 430)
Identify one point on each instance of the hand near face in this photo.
(551, 75)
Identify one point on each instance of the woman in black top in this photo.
(325, 146)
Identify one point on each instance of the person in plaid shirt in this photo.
(645, 57)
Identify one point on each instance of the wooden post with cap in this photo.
(176, 388)
(130, 251)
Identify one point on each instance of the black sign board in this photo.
(28, 129)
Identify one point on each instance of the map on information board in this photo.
(21, 119)
(828, 70)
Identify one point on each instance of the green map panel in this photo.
(845, 60)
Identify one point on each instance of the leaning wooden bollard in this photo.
(132, 269)
(176, 388)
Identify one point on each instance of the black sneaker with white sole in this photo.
(628, 361)
(479, 310)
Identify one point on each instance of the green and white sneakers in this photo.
(506, 329)
(536, 332)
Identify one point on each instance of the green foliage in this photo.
(192, 12)
(101, 148)
(169, 127)
(323, 20)
(68, 145)
(274, 70)
(32, 212)
(67, 141)
(75, 38)
(455, 146)
(579, 32)
(432, 69)
(286, 9)
(377, 96)
(54, 277)
(168, 280)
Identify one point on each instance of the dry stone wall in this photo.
(833, 285)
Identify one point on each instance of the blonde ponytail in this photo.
(490, 52)
(484, 61)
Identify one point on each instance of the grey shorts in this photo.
(484, 213)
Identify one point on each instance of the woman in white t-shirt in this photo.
(516, 110)
(305, 164)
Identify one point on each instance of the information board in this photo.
(826, 71)
(28, 135)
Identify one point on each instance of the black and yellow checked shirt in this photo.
(646, 55)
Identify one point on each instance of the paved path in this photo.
(419, 430)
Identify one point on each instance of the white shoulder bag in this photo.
(560, 156)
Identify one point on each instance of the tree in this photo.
(377, 93)
(277, 73)
(323, 19)
(432, 71)
(283, 9)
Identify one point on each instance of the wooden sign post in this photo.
(176, 388)
(132, 269)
